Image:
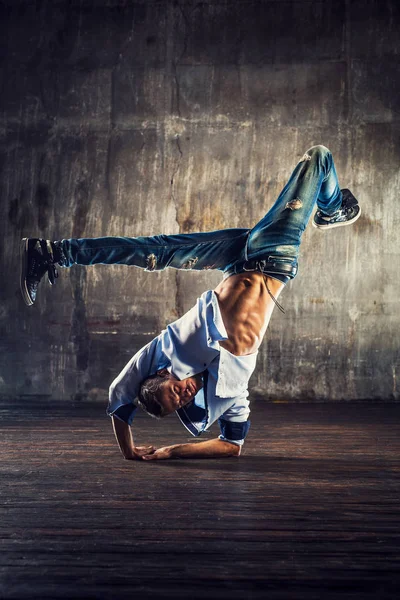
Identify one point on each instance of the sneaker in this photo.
(348, 213)
(37, 258)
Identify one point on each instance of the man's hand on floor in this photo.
(124, 438)
(140, 451)
(159, 454)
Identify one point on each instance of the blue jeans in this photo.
(276, 237)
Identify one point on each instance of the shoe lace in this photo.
(48, 260)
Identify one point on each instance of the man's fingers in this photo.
(160, 454)
(150, 457)
(141, 450)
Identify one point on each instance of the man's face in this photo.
(175, 393)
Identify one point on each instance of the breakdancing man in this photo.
(200, 365)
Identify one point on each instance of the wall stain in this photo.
(79, 334)
(109, 208)
(81, 209)
(20, 214)
(367, 225)
(188, 225)
(179, 295)
(42, 200)
(13, 212)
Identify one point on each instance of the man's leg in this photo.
(274, 242)
(198, 251)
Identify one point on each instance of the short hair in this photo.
(148, 397)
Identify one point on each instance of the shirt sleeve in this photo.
(233, 431)
(234, 423)
(125, 413)
(125, 388)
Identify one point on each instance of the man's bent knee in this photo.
(318, 151)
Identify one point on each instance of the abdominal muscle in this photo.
(246, 309)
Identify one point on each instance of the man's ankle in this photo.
(58, 253)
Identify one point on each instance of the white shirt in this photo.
(187, 347)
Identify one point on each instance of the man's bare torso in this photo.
(246, 309)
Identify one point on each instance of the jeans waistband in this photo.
(276, 267)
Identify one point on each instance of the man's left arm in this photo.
(229, 443)
(215, 448)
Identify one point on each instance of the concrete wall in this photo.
(134, 118)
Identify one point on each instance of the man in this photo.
(200, 365)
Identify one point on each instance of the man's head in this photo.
(162, 393)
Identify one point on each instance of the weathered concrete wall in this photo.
(132, 118)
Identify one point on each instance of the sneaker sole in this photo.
(342, 224)
(24, 261)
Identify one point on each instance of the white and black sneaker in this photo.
(37, 258)
(348, 213)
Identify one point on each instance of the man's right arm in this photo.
(124, 438)
(124, 389)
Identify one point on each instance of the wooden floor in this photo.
(310, 510)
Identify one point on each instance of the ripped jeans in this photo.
(276, 237)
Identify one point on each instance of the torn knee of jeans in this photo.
(151, 262)
(189, 264)
(305, 157)
(294, 204)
